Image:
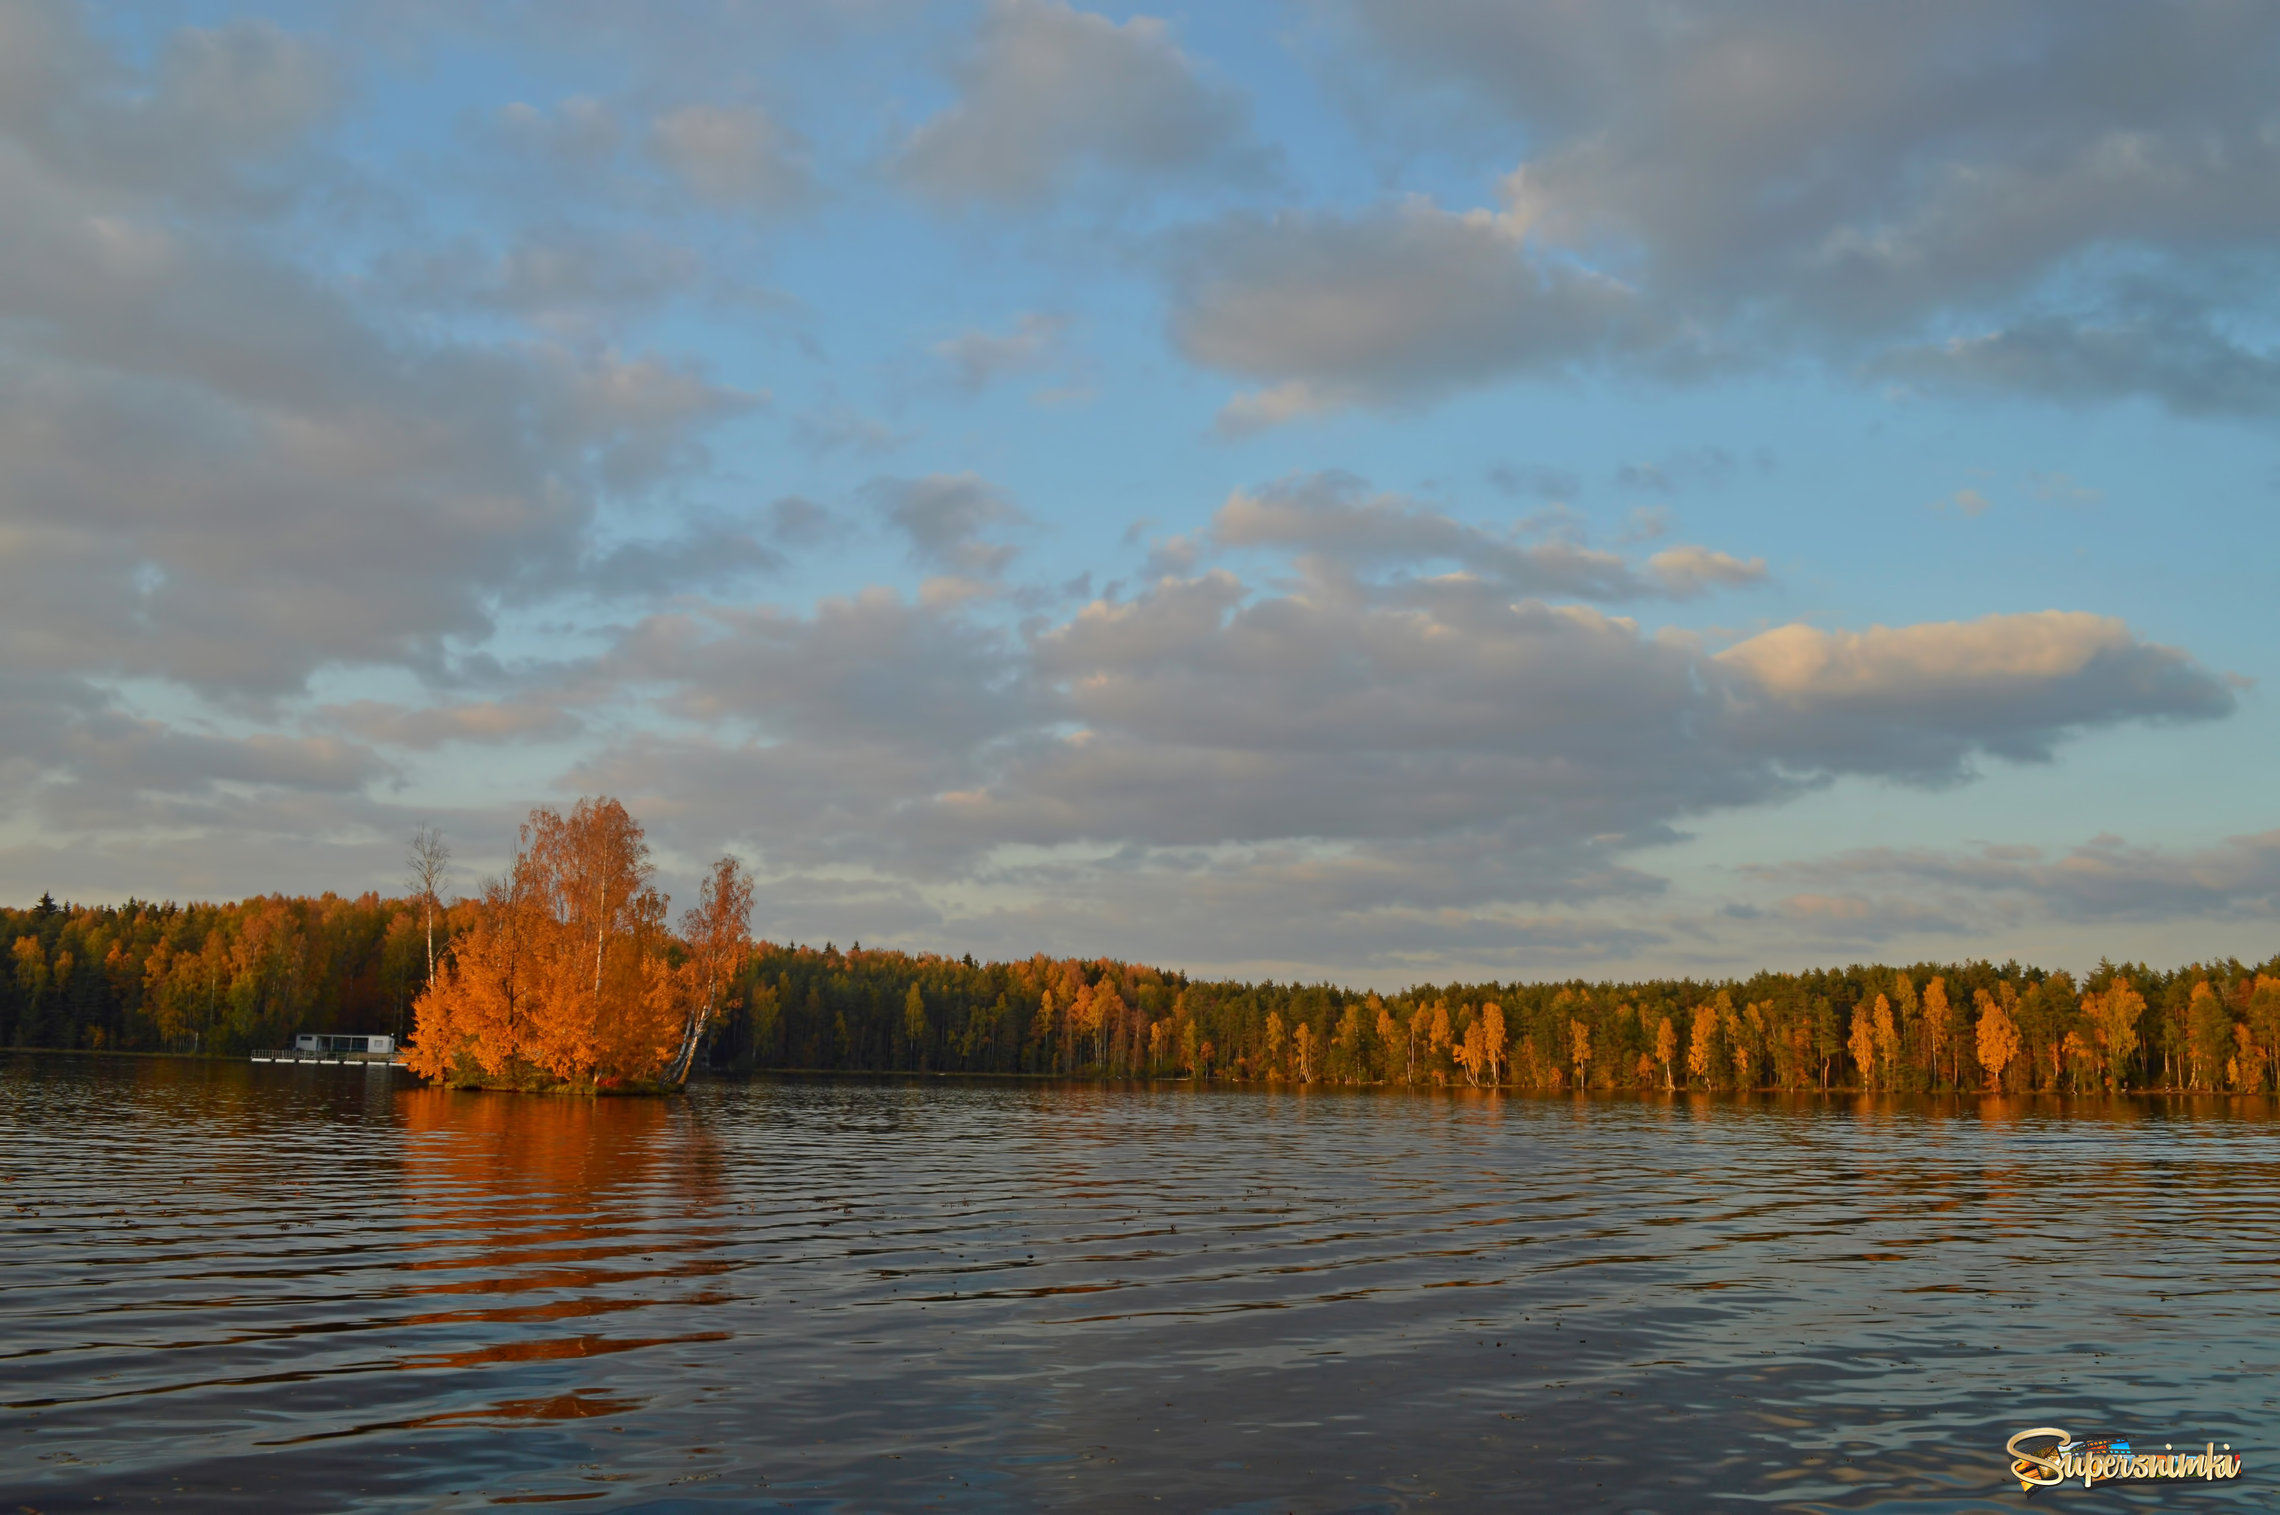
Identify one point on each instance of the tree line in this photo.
(564, 970)
(1918, 1028)
(218, 978)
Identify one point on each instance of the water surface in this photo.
(225, 1286)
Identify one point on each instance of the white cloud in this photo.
(2183, 359)
(703, 553)
(236, 466)
(944, 516)
(223, 469)
(1395, 305)
(734, 155)
(2084, 191)
(1048, 92)
(567, 280)
(428, 726)
(977, 359)
(1347, 777)
(1918, 701)
(1885, 158)
(2103, 879)
(838, 427)
(1687, 570)
(1277, 405)
(1333, 518)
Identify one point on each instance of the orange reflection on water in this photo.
(514, 1146)
(601, 1203)
(554, 1350)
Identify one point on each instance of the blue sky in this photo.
(1342, 488)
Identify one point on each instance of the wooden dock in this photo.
(334, 1059)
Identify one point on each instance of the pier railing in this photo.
(296, 1055)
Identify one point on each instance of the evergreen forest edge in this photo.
(224, 978)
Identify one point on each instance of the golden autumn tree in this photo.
(1862, 1045)
(1480, 1050)
(1939, 1025)
(718, 934)
(1702, 1045)
(1464, 1047)
(1887, 1040)
(1745, 1033)
(1088, 1018)
(616, 1015)
(1302, 1050)
(2114, 1017)
(467, 1022)
(1998, 1038)
(564, 978)
(2245, 1069)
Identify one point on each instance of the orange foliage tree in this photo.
(567, 977)
(718, 935)
(1998, 1038)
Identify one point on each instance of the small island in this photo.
(564, 977)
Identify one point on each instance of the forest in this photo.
(223, 978)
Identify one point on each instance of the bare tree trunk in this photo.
(692, 1032)
(430, 860)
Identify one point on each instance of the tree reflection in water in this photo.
(323, 1290)
(539, 1209)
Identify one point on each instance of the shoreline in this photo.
(1763, 1093)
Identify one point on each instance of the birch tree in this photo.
(718, 933)
(429, 860)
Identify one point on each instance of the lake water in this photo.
(270, 1288)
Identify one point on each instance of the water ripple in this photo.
(321, 1289)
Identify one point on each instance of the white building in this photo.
(324, 1042)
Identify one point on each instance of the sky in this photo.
(1369, 490)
